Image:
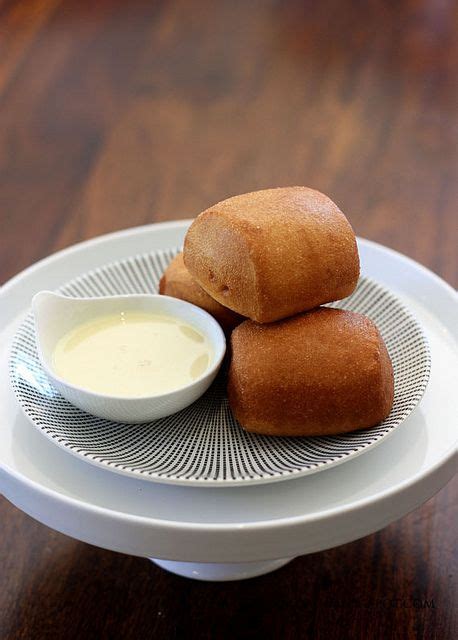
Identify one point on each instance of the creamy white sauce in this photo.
(132, 354)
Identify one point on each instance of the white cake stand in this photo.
(240, 532)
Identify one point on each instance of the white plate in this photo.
(256, 523)
(204, 445)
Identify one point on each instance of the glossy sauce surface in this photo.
(132, 354)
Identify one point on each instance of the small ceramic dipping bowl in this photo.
(56, 315)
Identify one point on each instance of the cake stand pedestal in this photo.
(223, 572)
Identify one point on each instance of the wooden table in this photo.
(114, 114)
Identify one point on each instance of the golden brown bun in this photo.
(178, 283)
(274, 253)
(318, 373)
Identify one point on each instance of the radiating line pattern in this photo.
(203, 444)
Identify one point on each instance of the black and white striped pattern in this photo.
(203, 444)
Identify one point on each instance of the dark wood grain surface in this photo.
(114, 114)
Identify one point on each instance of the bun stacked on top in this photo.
(271, 254)
(274, 256)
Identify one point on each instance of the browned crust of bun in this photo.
(319, 373)
(271, 254)
(178, 283)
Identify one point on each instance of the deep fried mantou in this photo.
(319, 373)
(274, 253)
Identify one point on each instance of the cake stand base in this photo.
(221, 572)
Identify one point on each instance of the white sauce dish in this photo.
(127, 358)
